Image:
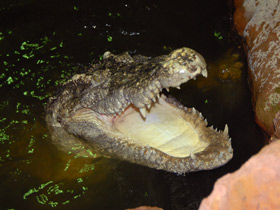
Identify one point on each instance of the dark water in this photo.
(42, 43)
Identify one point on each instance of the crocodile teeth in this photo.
(226, 129)
(204, 73)
(143, 112)
(178, 87)
(158, 95)
(148, 106)
(205, 120)
(149, 94)
(193, 156)
(167, 89)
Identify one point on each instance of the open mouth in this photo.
(165, 127)
(136, 122)
(168, 135)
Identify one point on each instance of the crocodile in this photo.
(117, 108)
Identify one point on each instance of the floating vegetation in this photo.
(218, 35)
(54, 194)
(27, 72)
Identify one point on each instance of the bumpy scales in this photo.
(117, 109)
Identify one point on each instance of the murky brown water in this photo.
(43, 43)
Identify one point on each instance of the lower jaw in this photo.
(158, 145)
(203, 149)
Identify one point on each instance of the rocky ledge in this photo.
(255, 185)
(258, 23)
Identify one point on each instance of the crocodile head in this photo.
(117, 108)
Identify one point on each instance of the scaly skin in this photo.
(91, 107)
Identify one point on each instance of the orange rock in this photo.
(258, 22)
(256, 185)
(239, 19)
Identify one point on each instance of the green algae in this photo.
(218, 35)
(26, 75)
(54, 194)
(79, 180)
(87, 168)
(109, 38)
(34, 190)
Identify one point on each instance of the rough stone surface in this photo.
(256, 185)
(258, 22)
(146, 208)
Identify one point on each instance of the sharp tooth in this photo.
(167, 89)
(143, 112)
(226, 129)
(154, 99)
(158, 95)
(192, 156)
(193, 110)
(148, 106)
(178, 87)
(204, 73)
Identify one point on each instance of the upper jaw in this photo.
(177, 68)
(179, 74)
